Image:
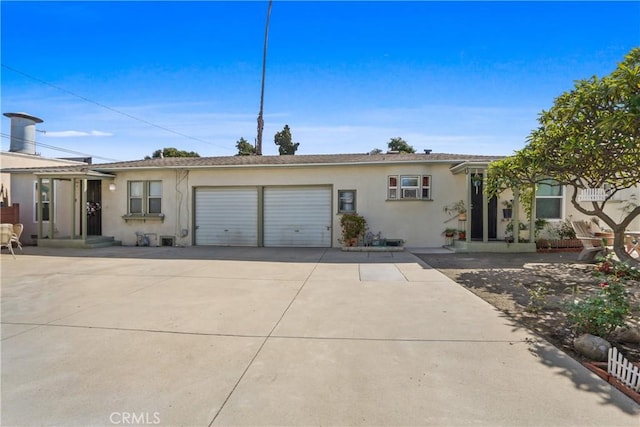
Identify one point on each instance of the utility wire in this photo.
(109, 108)
(51, 147)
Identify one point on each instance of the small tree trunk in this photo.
(620, 249)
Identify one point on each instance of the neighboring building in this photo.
(22, 154)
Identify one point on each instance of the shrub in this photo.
(353, 226)
(608, 266)
(537, 298)
(600, 314)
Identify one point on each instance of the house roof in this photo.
(266, 161)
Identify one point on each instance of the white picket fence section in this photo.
(623, 370)
(592, 195)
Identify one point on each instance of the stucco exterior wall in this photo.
(614, 208)
(418, 222)
(23, 189)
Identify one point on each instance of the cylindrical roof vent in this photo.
(23, 132)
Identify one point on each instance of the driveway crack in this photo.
(255, 356)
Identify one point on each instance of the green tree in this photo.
(375, 151)
(244, 148)
(400, 145)
(284, 141)
(589, 138)
(172, 152)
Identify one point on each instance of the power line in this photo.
(109, 108)
(51, 147)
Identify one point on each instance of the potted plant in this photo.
(510, 233)
(541, 223)
(457, 208)
(507, 211)
(462, 235)
(476, 181)
(353, 227)
(449, 232)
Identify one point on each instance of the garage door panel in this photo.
(297, 216)
(227, 217)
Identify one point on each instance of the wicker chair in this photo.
(6, 237)
(17, 232)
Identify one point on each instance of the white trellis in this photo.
(623, 370)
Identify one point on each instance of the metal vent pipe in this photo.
(23, 132)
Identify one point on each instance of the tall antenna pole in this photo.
(264, 70)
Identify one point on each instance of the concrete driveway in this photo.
(233, 336)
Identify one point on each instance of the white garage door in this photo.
(297, 216)
(226, 216)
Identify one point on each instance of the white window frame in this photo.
(145, 198)
(560, 198)
(151, 197)
(392, 187)
(35, 200)
(342, 194)
(398, 187)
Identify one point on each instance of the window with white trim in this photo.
(46, 200)
(549, 199)
(409, 187)
(145, 198)
(346, 201)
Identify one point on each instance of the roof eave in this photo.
(75, 174)
(287, 165)
(470, 164)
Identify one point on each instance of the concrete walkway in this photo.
(250, 336)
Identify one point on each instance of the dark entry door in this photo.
(477, 209)
(94, 208)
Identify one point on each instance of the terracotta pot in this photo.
(605, 236)
(351, 242)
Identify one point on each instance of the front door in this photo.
(477, 209)
(94, 208)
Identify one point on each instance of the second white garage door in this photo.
(297, 216)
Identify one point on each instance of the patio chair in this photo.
(591, 245)
(17, 232)
(6, 237)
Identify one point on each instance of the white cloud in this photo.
(75, 133)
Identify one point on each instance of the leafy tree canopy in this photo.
(244, 148)
(400, 145)
(284, 141)
(589, 138)
(172, 152)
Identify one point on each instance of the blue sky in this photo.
(454, 77)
